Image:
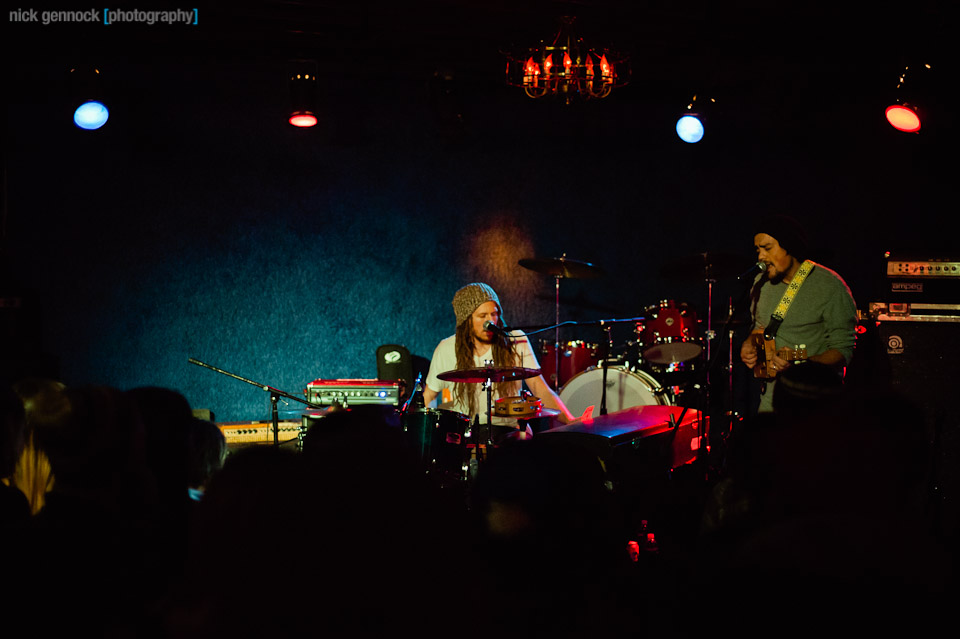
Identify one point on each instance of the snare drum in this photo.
(575, 357)
(437, 436)
(669, 334)
(625, 389)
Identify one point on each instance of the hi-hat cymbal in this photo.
(706, 265)
(494, 374)
(562, 267)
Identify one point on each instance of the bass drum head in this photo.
(625, 389)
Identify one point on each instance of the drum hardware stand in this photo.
(417, 392)
(604, 364)
(556, 335)
(728, 328)
(275, 395)
(560, 268)
(607, 326)
(488, 386)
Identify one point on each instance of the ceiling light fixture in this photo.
(905, 113)
(567, 67)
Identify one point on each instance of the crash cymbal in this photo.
(494, 374)
(706, 265)
(562, 267)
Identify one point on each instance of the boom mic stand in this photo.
(275, 395)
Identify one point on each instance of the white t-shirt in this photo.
(445, 359)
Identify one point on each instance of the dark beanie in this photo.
(787, 231)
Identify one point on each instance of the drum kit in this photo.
(668, 343)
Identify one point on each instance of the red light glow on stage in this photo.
(303, 120)
(903, 118)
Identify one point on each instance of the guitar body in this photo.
(767, 349)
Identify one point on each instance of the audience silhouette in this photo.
(148, 527)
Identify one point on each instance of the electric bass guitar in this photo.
(767, 348)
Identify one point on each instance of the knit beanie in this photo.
(787, 232)
(468, 298)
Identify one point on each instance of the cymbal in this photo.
(542, 412)
(705, 265)
(494, 374)
(562, 267)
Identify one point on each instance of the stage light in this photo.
(91, 115)
(303, 94)
(905, 113)
(903, 118)
(690, 126)
(303, 120)
(87, 95)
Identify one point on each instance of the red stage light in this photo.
(303, 120)
(903, 118)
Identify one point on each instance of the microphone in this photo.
(493, 328)
(504, 331)
(759, 267)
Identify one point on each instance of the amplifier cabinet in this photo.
(921, 356)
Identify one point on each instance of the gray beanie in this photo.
(468, 298)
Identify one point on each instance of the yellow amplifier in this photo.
(237, 433)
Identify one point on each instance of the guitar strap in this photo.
(787, 299)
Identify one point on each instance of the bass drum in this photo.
(625, 389)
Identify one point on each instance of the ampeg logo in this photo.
(894, 345)
(907, 287)
(392, 357)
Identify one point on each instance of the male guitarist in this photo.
(795, 302)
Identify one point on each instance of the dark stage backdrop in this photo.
(197, 223)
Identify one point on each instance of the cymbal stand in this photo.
(730, 335)
(488, 385)
(604, 364)
(275, 395)
(710, 335)
(556, 336)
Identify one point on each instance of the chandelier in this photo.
(568, 67)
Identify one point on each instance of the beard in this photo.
(482, 337)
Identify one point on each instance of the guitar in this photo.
(767, 348)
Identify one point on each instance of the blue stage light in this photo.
(91, 115)
(690, 128)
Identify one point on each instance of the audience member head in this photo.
(167, 419)
(95, 443)
(207, 452)
(43, 401)
(12, 430)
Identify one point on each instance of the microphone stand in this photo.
(275, 395)
(704, 376)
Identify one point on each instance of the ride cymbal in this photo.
(562, 267)
(494, 374)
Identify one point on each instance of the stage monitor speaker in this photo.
(395, 364)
